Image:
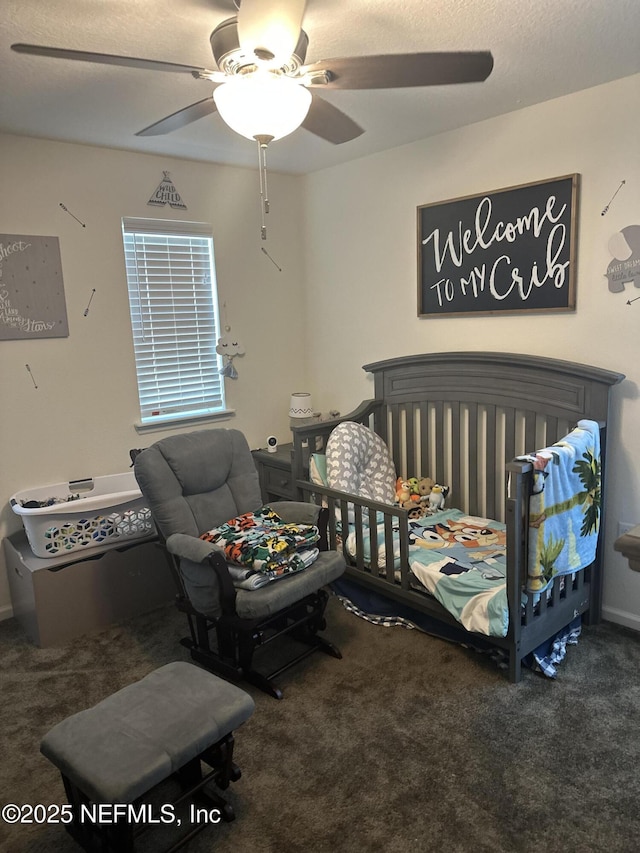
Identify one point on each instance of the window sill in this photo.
(187, 420)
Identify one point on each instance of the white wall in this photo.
(79, 421)
(361, 255)
(346, 240)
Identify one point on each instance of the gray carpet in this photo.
(407, 744)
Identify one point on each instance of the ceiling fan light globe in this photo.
(264, 105)
(270, 29)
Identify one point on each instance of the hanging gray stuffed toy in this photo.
(229, 347)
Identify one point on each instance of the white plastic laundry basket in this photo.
(83, 514)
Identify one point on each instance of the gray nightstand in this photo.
(274, 470)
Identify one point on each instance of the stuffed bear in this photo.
(425, 484)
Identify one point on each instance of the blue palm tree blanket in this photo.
(564, 509)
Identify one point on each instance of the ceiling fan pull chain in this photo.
(262, 170)
(263, 227)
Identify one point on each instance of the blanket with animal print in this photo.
(461, 561)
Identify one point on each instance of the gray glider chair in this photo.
(193, 483)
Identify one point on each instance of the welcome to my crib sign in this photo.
(509, 250)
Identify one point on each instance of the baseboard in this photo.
(621, 617)
(6, 612)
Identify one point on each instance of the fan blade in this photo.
(181, 118)
(397, 71)
(270, 29)
(107, 59)
(328, 122)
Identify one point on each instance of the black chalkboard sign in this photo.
(509, 250)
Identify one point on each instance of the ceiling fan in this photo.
(262, 88)
(264, 91)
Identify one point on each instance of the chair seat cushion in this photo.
(268, 600)
(125, 745)
(265, 601)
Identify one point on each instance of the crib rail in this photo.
(354, 513)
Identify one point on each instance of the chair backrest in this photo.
(198, 480)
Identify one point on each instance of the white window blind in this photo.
(174, 317)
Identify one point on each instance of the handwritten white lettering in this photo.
(532, 222)
(18, 246)
(500, 276)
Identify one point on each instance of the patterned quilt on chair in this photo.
(265, 544)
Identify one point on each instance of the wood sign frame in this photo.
(508, 251)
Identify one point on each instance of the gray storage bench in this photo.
(126, 745)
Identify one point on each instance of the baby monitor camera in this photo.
(272, 444)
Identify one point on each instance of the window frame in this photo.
(166, 274)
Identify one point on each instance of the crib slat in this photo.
(344, 526)
(359, 536)
(439, 444)
(490, 449)
(394, 411)
(473, 461)
(403, 533)
(333, 537)
(425, 456)
(509, 434)
(530, 432)
(455, 479)
(373, 546)
(542, 604)
(388, 540)
(528, 610)
(410, 448)
(551, 431)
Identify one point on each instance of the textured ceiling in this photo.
(542, 50)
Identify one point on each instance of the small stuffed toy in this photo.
(417, 510)
(425, 484)
(403, 491)
(437, 497)
(413, 485)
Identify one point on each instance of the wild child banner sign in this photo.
(510, 250)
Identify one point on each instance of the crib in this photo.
(464, 418)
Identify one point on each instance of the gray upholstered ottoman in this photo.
(115, 753)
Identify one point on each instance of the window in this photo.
(174, 317)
